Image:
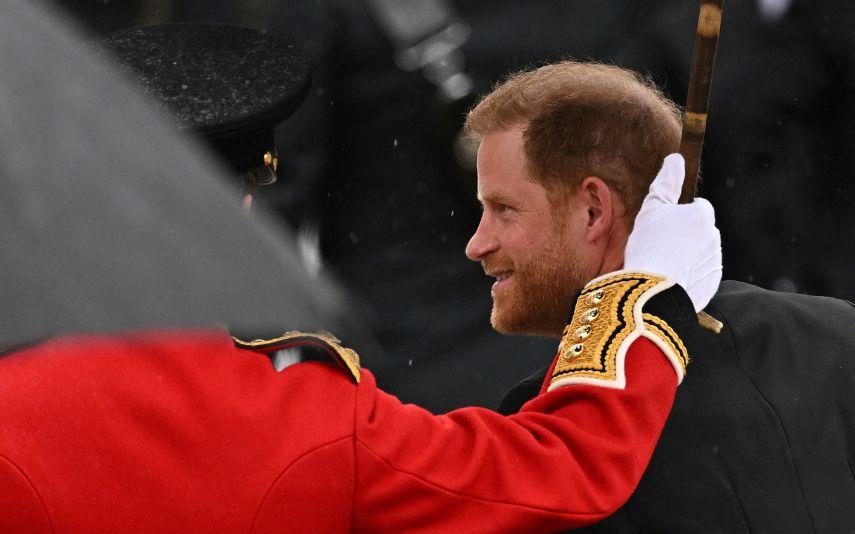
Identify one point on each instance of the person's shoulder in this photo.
(117, 345)
(734, 295)
(750, 310)
(298, 347)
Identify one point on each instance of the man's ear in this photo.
(598, 201)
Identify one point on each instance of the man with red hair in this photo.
(760, 437)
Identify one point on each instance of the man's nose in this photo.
(481, 243)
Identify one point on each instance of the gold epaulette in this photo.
(348, 358)
(607, 319)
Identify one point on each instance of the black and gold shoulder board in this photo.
(607, 319)
(325, 342)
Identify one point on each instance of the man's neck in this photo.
(614, 252)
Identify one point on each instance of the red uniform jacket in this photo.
(185, 432)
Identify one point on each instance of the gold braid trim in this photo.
(670, 343)
(326, 341)
(607, 319)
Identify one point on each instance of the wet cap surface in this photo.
(214, 79)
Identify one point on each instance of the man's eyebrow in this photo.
(496, 197)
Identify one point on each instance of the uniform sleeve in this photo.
(570, 458)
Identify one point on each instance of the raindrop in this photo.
(410, 362)
(394, 142)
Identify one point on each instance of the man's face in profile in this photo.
(524, 242)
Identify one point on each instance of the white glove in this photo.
(679, 241)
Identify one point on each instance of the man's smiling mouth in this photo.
(501, 278)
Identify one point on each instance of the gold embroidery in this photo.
(606, 321)
(663, 331)
(324, 340)
(604, 329)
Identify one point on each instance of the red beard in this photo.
(535, 300)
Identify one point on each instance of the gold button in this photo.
(596, 297)
(582, 332)
(590, 315)
(270, 160)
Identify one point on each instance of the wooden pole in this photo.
(697, 101)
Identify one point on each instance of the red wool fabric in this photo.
(184, 432)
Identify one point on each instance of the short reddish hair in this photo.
(584, 119)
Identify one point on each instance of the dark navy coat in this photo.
(762, 434)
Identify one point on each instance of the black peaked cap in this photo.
(232, 85)
(215, 79)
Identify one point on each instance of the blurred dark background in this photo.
(382, 193)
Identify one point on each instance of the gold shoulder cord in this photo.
(606, 321)
(348, 357)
